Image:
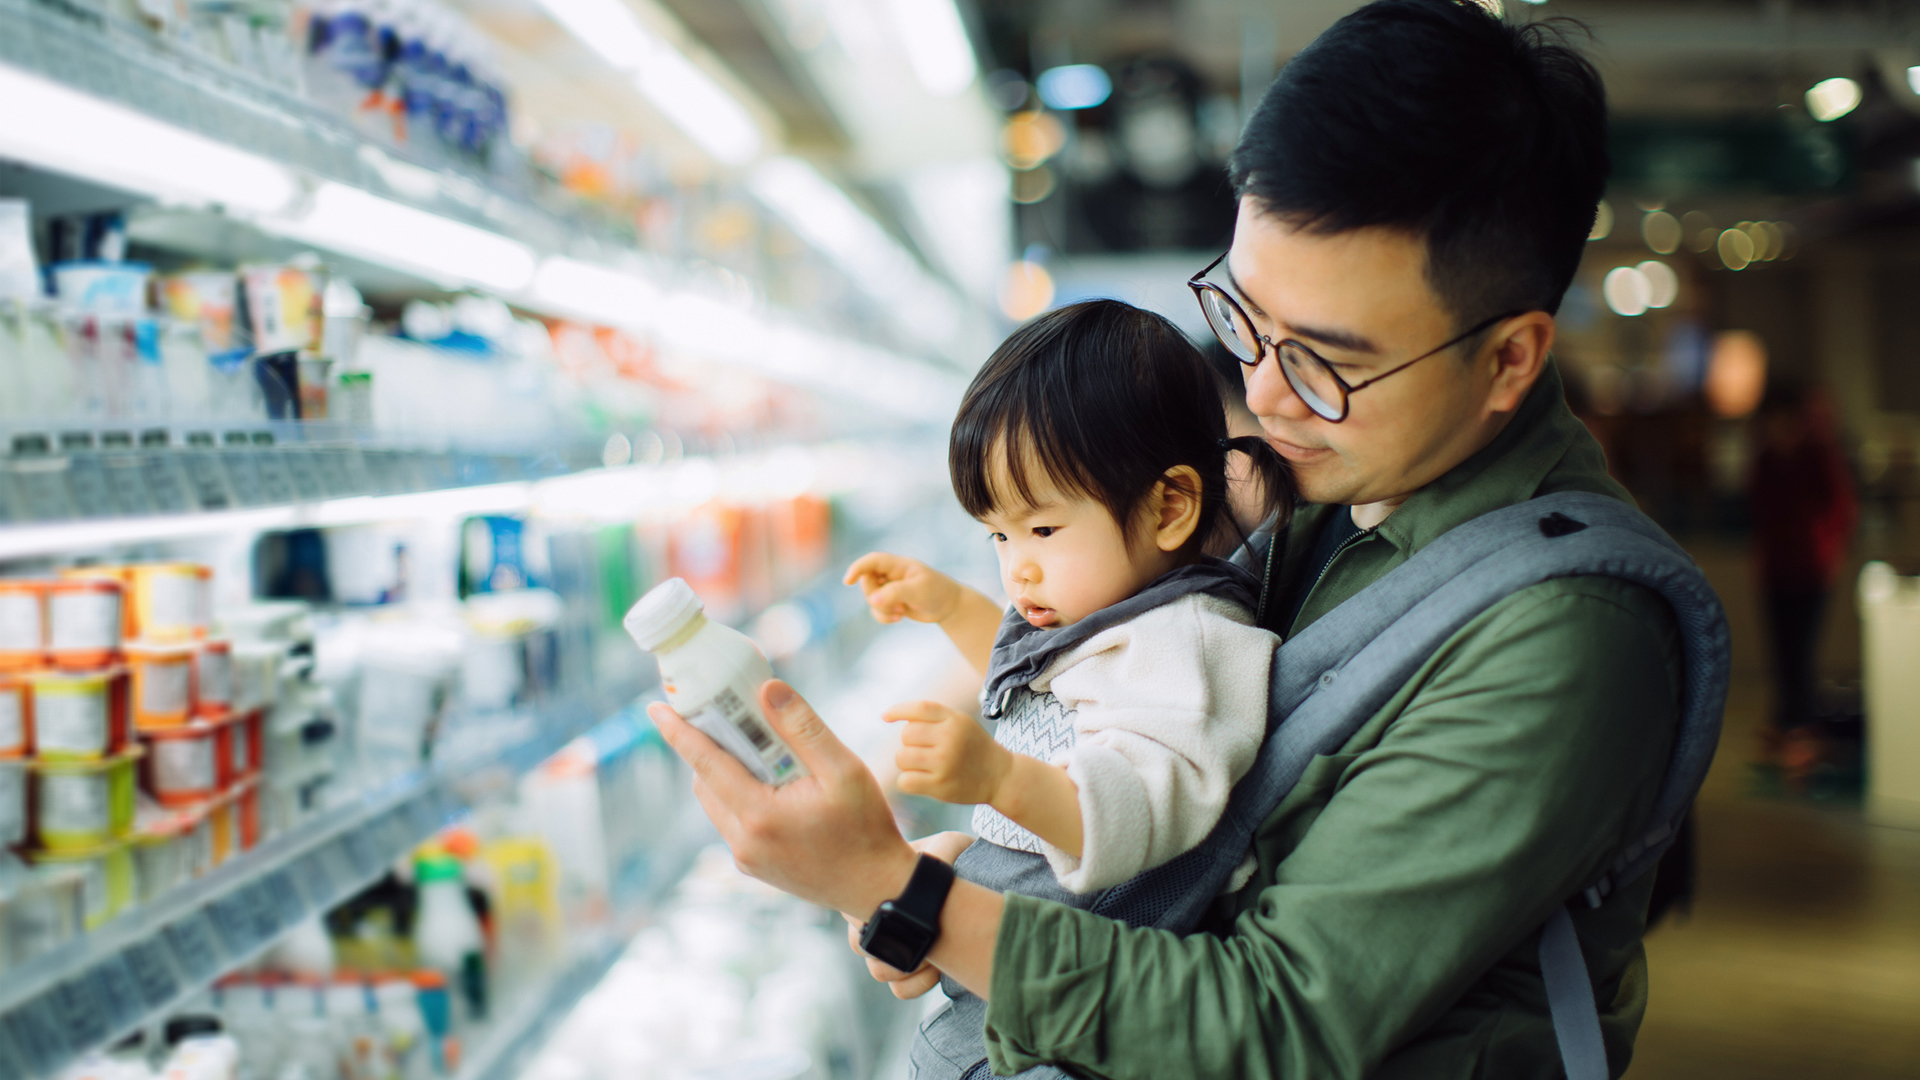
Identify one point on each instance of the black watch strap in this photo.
(902, 931)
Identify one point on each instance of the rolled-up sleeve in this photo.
(1516, 761)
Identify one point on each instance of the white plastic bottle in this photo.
(446, 934)
(712, 675)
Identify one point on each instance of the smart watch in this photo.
(903, 929)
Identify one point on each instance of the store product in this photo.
(168, 849)
(84, 621)
(22, 624)
(189, 763)
(169, 600)
(162, 683)
(40, 910)
(13, 802)
(200, 1050)
(16, 715)
(712, 675)
(103, 288)
(243, 743)
(446, 935)
(255, 674)
(79, 715)
(108, 879)
(213, 678)
(76, 805)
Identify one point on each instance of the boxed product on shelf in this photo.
(76, 805)
(108, 877)
(78, 715)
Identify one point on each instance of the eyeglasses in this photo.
(1310, 376)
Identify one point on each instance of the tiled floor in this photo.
(1802, 956)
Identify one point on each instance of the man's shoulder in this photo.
(1581, 621)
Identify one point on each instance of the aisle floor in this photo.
(1801, 958)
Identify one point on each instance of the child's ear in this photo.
(1179, 504)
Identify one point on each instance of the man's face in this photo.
(1360, 300)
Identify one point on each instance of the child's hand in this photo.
(947, 755)
(898, 588)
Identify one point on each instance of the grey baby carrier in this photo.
(1329, 679)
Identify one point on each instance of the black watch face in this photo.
(897, 954)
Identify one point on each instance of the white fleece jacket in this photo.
(1168, 711)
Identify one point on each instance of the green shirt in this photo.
(1392, 929)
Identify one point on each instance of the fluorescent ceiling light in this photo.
(596, 292)
(936, 43)
(1913, 78)
(825, 217)
(51, 126)
(684, 92)
(1075, 86)
(353, 222)
(1831, 99)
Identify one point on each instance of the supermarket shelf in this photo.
(59, 502)
(135, 968)
(503, 1051)
(91, 48)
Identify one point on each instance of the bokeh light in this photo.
(1661, 231)
(1033, 185)
(1736, 249)
(1831, 99)
(1627, 291)
(1026, 292)
(1736, 373)
(1663, 285)
(1030, 138)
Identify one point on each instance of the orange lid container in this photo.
(162, 683)
(16, 715)
(23, 623)
(188, 763)
(213, 678)
(83, 622)
(169, 600)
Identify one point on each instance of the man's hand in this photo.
(828, 837)
(947, 755)
(907, 985)
(900, 588)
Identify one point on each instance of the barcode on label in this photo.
(734, 709)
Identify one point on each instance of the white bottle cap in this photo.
(666, 610)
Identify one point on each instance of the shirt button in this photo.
(1326, 679)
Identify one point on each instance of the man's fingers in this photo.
(802, 729)
(729, 779)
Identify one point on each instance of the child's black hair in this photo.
(1104, 398)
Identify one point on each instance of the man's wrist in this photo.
(886, 880)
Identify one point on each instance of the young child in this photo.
(1128, 680)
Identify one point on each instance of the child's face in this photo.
(1066, 558)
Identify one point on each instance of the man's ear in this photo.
(1517, 353)
(1176, 501)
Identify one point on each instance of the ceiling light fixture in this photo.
(54, 127)
(596, 292)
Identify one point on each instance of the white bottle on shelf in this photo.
(446, 934)
(712, 675)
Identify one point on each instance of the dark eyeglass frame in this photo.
(1262, 343)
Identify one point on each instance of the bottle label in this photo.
(734, 723)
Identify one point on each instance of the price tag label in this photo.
(364, 848)
(288, 905)
(276, 483)
(151, 969)
(82, 1019)
(314, 879)
(342, 866)
(424, 815)
(127, 482)
(36, 1036)
(40, 489)
(196, 952)
(302, 470)
(11, 1063)
(87, 479)
(209, 480)
(243, 472)
(114, 989)
(165, 486)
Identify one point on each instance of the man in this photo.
(1415, 193)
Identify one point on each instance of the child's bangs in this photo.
(1005, 455)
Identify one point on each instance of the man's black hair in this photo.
(1103, 398)
(1434, 116)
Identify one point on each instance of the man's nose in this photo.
(1269, 393)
